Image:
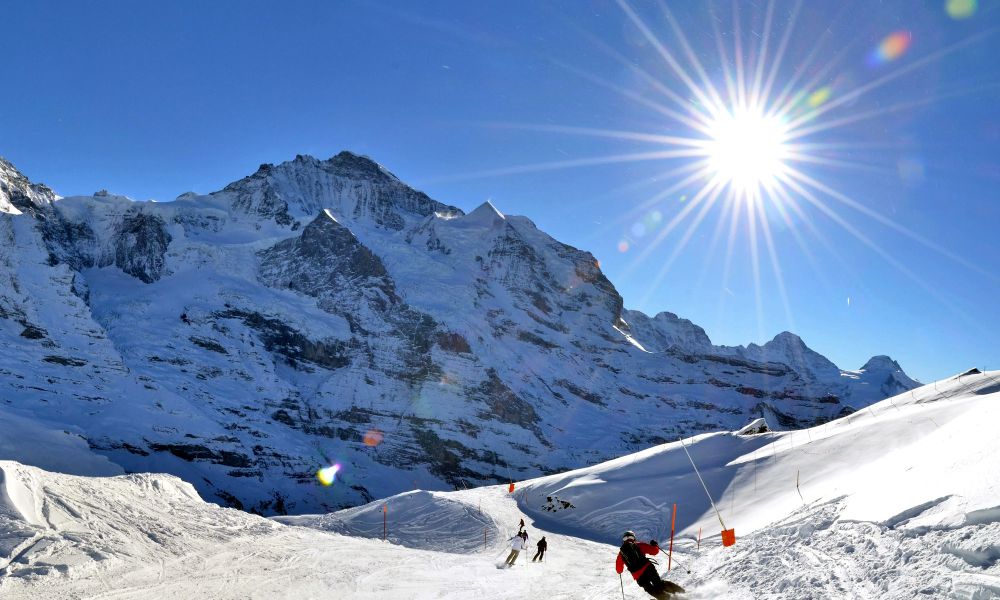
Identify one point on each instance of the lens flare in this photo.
(892, 47)
(817, 98)
(960, 9)
(328, 475)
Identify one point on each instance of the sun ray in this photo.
(712, 189)
(819, 146)
(675, 222)
(605, 133)
(567, 164)
(741, 99)
(693, 59)
(887, 110)
(787, 102)
(816, 235)
(807, 62)
(776, 266)
(646, 76)
(845, 200)
(727, 75)
(720, 223)
(886, 256)
(664, 53)
(802, 157)
(695, 167)
(765, 41)
(755, 262)
(787, 202)
(635, 97)
(730, 243)
(782, 48)
(643, 206)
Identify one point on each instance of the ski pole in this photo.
(622, 582)
(682, 566)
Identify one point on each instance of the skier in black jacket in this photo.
(633, 556)
(542, 545)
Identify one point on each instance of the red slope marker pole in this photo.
(670, 551)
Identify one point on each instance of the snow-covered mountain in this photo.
(322, 311)
(895, 502)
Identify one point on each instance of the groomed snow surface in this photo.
(901, 500)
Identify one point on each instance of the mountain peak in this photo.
(18, 194)
(350, 185)
(881, 363)
(787, 339)
(788, 348)
(485, 214)
(357, 166)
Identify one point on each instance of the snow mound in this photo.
(51, 523)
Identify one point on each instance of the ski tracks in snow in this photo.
(815, 554)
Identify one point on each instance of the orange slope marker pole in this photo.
(670, 551)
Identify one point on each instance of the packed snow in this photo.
(901, 500)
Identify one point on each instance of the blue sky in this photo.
(469, 101)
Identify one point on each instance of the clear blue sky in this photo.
(152, 99)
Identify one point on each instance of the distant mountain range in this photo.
(322, 311)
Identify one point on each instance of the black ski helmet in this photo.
(628, 535)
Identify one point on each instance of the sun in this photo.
(747, 149)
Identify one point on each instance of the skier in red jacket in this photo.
(632, 554)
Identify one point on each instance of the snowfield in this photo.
(899, 501)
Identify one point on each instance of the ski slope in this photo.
(901, 500)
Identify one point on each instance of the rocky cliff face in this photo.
(322, 311)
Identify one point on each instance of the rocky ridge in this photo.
(322, 311)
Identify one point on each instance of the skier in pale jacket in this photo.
(516, 545)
